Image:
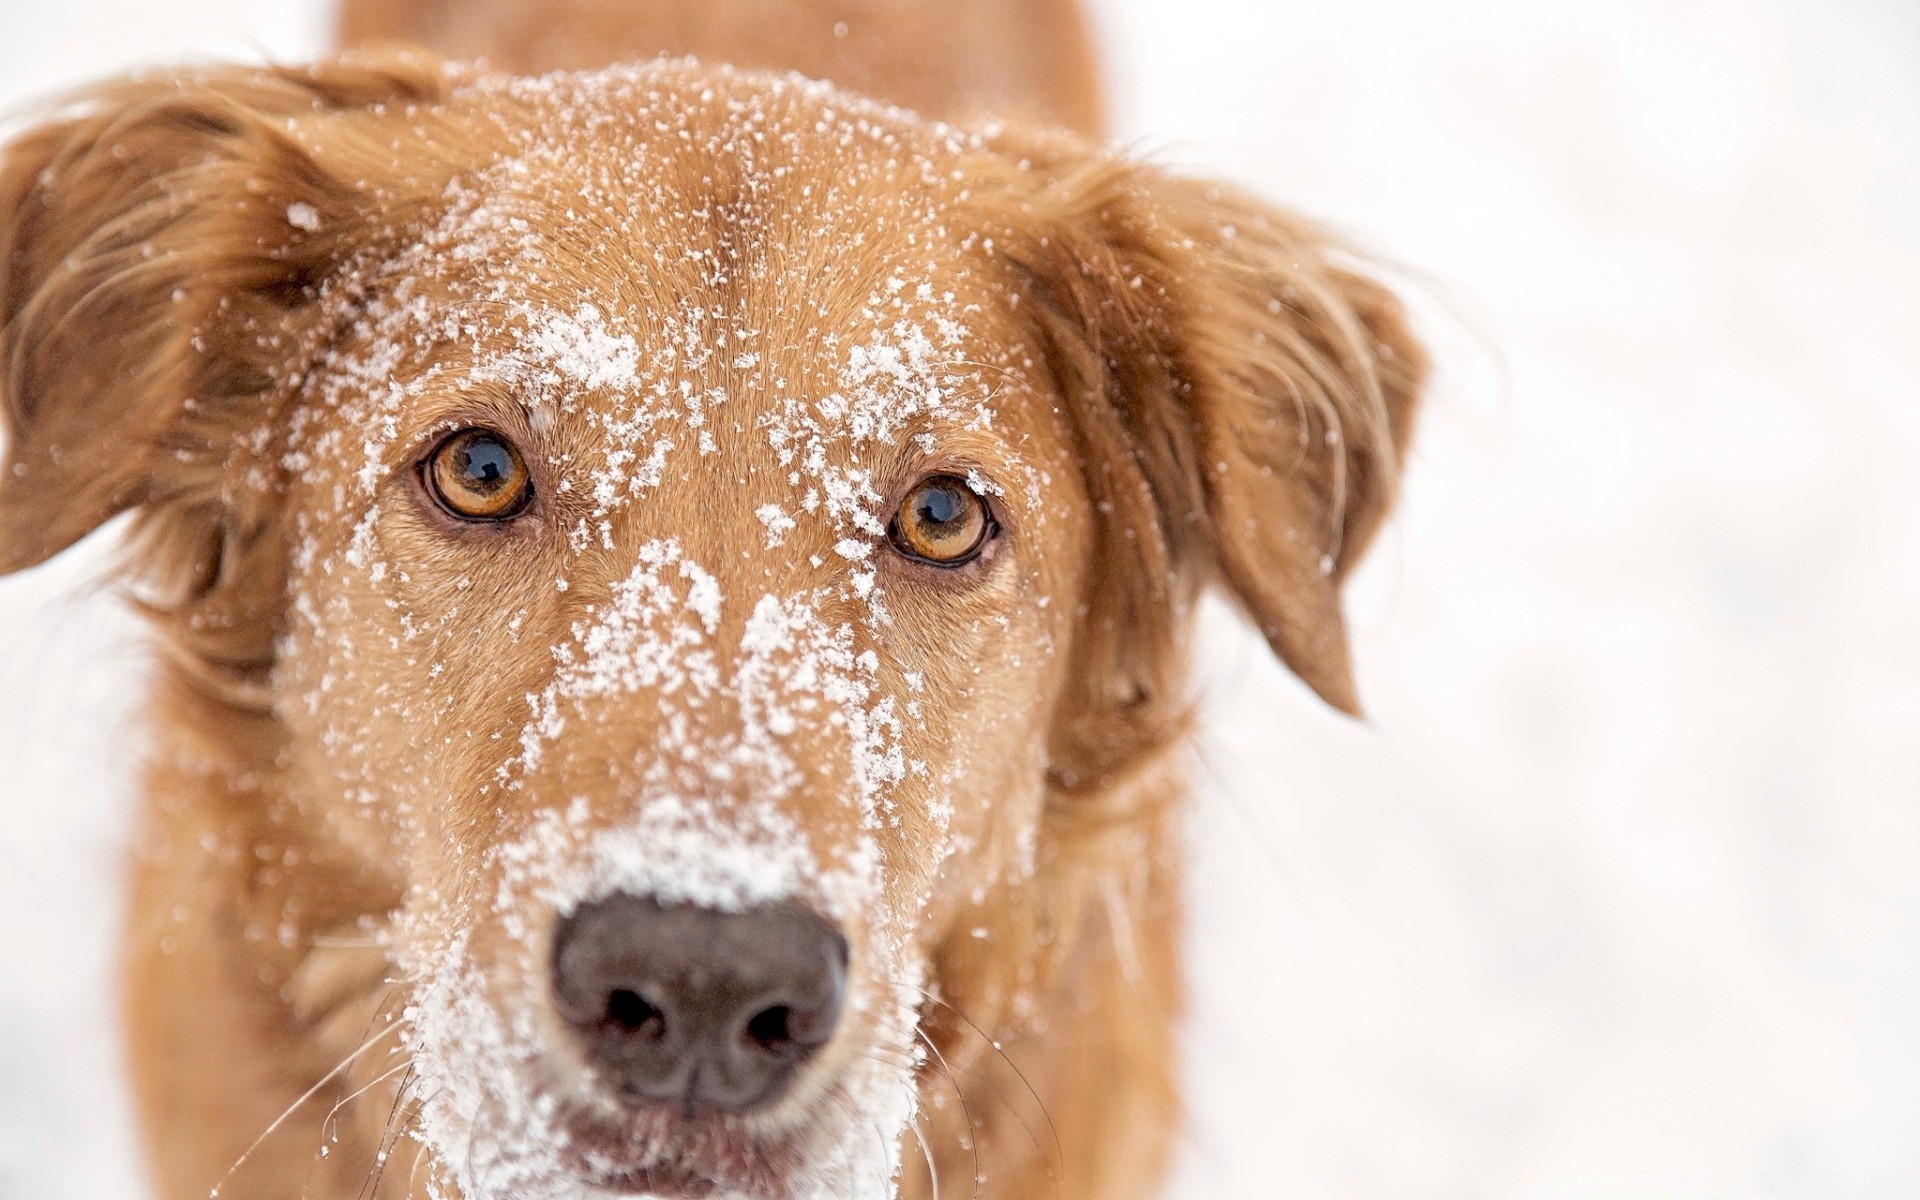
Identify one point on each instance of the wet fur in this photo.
(1233, 392)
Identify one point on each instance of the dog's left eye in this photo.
(941, 522)
(477, 475)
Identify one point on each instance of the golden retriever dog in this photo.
(671, 585)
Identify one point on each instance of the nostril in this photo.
(676, 1003)
(771, 1028)
(632, 1013)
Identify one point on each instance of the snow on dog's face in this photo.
(665, 523)
(693, 564)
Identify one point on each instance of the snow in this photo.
(655, 637)
(1615, 893)
(777, 522)
(577, 351)
(707, 805)
(302, 215)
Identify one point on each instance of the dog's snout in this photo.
(688, 1005)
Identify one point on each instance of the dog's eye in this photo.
(477, 475)
(941, 522)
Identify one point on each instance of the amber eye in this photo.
(477, 475)
(941, 522)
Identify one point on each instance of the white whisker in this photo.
(376, 1082)
(933, 1170)
(309, 1094)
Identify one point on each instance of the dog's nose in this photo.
(687, 1005)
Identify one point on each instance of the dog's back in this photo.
(1024, 59)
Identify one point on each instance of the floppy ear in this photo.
(159, 240)
(1245, 394)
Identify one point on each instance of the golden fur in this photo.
(1187, 388)
(1028, 60)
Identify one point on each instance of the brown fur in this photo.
(1213, 390)
(1029, 60)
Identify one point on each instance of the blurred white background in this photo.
(1618, 892)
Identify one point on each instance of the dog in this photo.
(671, 585)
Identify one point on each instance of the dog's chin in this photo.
(657, 1183)
(665, 1153)
(662, 1181)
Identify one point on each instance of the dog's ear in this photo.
(158, 238)
(1245, 393)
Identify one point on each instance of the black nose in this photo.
(696, 1007)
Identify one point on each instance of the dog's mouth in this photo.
(665, 1152)
(597, 1040)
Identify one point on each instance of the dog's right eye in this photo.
(477, 475)
(941, 523)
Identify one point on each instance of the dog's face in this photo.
(678, 519)
(692, 541)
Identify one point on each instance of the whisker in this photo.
(933, 1172)
(885, 1055)
(382, 1009)
(412, 1130)
(854, 1118)
(1059, 1154)
(384, 1147)
(973, 1131)
(396, 1125)
(376, 1082)
(309, 1094)
(420, 1156)
(880, 1139)
(473, 1135)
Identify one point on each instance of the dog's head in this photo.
(688, 549)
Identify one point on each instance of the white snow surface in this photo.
(1617, 893)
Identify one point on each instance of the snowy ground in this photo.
(1618, 894)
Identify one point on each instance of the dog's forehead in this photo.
(696, 187)
(702, 285)
(689, 238)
